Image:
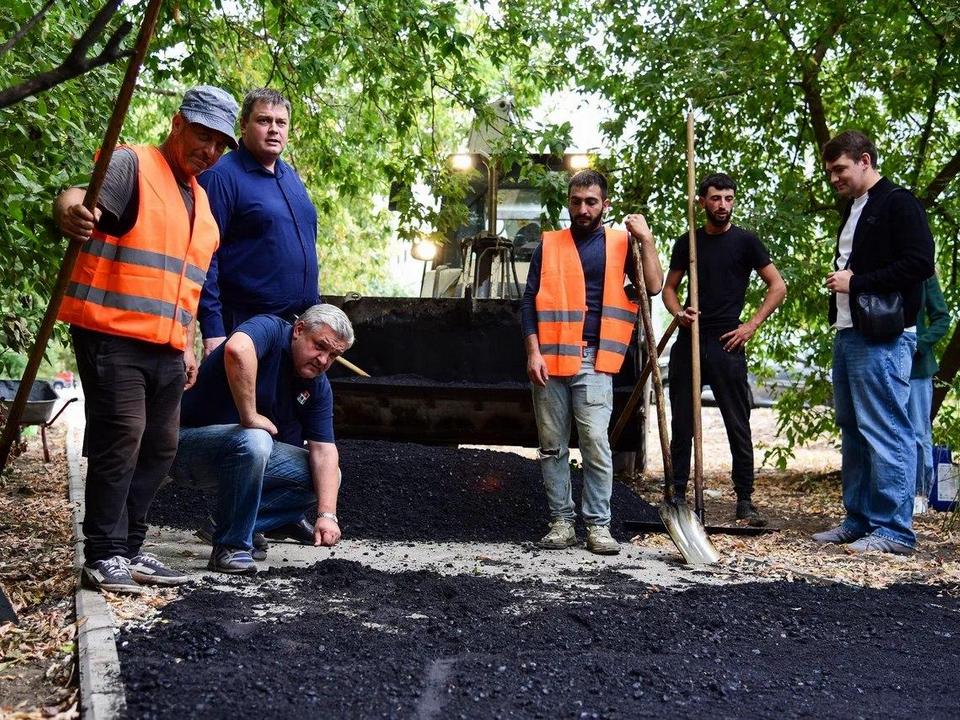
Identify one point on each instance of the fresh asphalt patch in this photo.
(341, 639)
(437, 605)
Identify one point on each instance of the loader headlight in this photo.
(424, 249)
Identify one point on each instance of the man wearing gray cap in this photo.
(131, 304)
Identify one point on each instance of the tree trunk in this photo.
(949, 366)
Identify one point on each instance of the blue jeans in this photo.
(921, 400)
(587, 398)
(871, 385)
(260, 484)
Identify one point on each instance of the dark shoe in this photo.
(146, 569)
(232, 561)
(875, 543)
(746, 510)
(300, 531)
(260, 544)
(838, 536)
(112, 574)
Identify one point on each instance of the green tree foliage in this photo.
(46, 142)
(771, 81)
(382, 92)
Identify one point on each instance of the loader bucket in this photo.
(445, 371)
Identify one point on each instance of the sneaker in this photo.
(112, 574)
(231, 560)
(838, 535)
(561, 535)
(260, 544)
(876, 543)
(746, 510)
(920, 505)
(600, 541)
(147, 569)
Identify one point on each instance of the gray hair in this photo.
(268, 96)
(331, 316)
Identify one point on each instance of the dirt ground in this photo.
(37, 655)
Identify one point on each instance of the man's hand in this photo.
(687, 316)
(739, 337)
(211, 344)
(190, 366)
(259, 421)
(537, 369)
(76, 222)
(839, 281)
(326, 532)
(637, 226)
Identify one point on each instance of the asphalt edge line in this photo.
(101, 687)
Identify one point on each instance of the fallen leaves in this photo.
(36, 573)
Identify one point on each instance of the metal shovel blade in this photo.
(688, 535)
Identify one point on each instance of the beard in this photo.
(718, 221)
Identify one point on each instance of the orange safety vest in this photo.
(561, 305)
(146, 284)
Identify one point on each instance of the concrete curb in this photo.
(101, 689)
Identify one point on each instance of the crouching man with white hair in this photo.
(259, 397)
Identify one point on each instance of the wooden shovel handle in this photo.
(695, 328)
(638, 390)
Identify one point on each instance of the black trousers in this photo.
(132, 393)
(726, 374)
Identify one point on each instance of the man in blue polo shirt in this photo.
(258, 397)
(267, 259)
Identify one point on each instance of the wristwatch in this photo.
(328, 516)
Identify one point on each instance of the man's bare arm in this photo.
(776, 292)
(240, 362)
(325, 472)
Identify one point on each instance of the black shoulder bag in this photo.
(878, 315)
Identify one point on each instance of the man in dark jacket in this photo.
(884, 246)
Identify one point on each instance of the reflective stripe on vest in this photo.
(146, 258)
(561, 305)
(146, 285)
(128, 302)
(618, 314)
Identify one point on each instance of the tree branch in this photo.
(946, 175)
(26, 27)
(77, 62)
(932, 96)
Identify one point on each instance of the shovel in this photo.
(682, 525)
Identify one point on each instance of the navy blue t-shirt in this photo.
(301, 408)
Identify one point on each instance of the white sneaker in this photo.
(600, 541)
(561, 535)
(920, 504)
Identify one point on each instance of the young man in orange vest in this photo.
(131, 305)
(577, 324)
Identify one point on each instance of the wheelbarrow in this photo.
(40, 407)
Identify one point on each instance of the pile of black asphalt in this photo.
(405, 491)
(342, 640)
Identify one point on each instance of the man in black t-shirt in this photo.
(726, 256)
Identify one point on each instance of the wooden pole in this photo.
(644, 310)
(73, 246)
(695, 328)
(639, 388)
